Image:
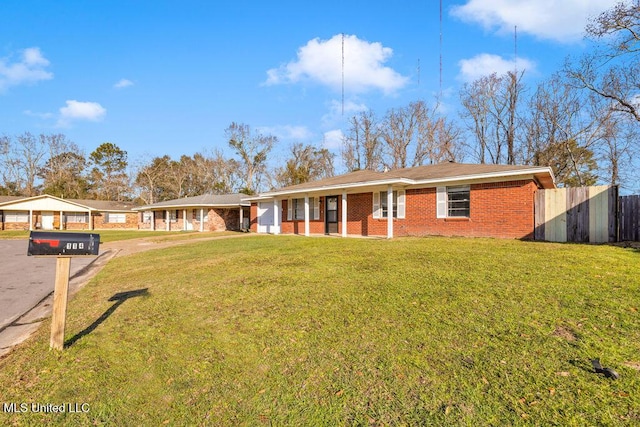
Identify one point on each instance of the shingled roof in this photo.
(429, 174)
(93, 205)
(205, 200)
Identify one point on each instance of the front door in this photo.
(189, 220)
(331, 215)
(265, 217)
(47, 220)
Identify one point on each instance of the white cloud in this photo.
(36, 114)
(77, 110)
(30, 68)
(337, 112)
(320, 61)
(122, 83)
(332, 139)
(562, 21)
(485, 64)
(287, 132)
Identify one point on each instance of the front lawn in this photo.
(286, 330)
(115, 235)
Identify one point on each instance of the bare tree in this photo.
(307, 163)
(253, 149)
(612, 69)
(151, 180)
(400, 129)
(9, 168)
(226, 173)
(476, 99)
(29, 154)
(563, 130)
(491, 110)
(362, 147)
(416, 135)
(616, 151)
(63, 174)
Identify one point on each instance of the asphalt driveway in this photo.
(25, 280)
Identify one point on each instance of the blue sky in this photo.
(168, 77)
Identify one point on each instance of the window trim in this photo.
(399, 205)
(72, 217)
(13, 217)
(108, 220)
(443, 208)
(292, 209)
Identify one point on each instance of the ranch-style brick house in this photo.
(452, 199)
(199, 213)
(47, 212)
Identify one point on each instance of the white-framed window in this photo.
(197, 217)
(77, 217)
(16, 216)
(147, 217)
(173, 216)
(453, 202)
(295, 208)
(115, 218)
(381, 208)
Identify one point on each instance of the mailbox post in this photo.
(63, 246)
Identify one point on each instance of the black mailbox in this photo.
(63, 244)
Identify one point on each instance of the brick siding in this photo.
(500, 209)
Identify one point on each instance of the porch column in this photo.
(201, 219)
(30, 219)
(241, 217)
(90, 220)
(389, 212)
(276, 217)
(184, 220)
(306, 215)
(344, 214)
(167, 220)
(153, 220)
(61, 224)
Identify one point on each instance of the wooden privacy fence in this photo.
(584, 214)
(630, 218)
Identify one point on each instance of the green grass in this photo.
(275, 330)
(115, 235)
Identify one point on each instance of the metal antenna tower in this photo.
(343, 74)
(440, 94)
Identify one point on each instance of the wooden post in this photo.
(60, 296)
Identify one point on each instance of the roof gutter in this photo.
(406, 181)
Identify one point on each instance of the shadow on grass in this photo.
(119, 298)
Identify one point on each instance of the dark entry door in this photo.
(331, 217)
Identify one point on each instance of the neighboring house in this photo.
(47, 212)
(202, 213)
(443, 199)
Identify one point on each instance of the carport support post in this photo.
(389, 212)
(60, 297)
(306, 215)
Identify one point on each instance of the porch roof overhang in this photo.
(45, 203)
(192, 206)
(224, 201)
(542, 175)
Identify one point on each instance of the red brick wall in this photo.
(503, 210)
(253, 224)
(224, 219)
(131, 222)
(296, 226)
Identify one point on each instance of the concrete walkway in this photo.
(28, 314)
